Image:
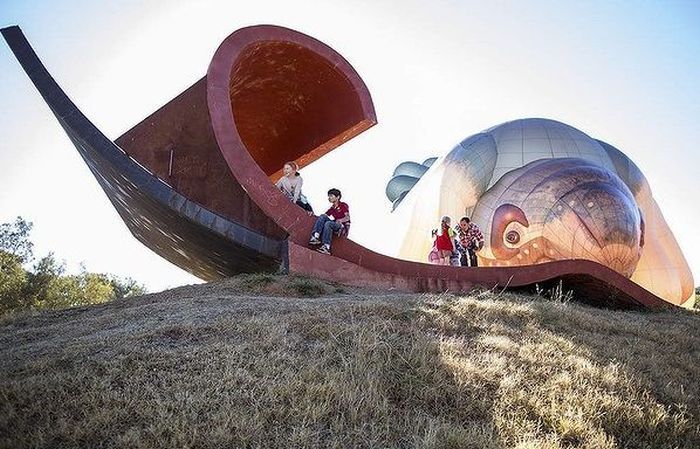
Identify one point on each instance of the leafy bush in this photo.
(306, 287)
(254, 282)
(267, 284)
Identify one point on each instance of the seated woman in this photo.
(290, 185)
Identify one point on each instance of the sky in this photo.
(624, 72)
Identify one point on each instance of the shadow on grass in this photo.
(435, 371)
(574, 376)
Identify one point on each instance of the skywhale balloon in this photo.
(540, 191)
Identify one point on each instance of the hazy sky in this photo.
(627, 73)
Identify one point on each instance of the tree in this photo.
(13, 284)
(14, 239)
(126, 287)
(46, 285)
(50, 288)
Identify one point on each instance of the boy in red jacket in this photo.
(337, 217)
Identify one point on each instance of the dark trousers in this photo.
(467, 258)
(306, 206)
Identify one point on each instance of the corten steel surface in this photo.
(185, 233)
(270, 95)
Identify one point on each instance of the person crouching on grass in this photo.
(336, 218)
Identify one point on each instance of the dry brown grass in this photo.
(214, 366)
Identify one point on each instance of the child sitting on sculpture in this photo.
(290, 185)
(335, 220)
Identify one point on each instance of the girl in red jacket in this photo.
(444, 241)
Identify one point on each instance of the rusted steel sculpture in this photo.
(193, 181)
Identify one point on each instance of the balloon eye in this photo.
(512, 237)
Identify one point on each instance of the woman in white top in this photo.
(290, 185)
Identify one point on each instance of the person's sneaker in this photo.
(314, 241)
(324, 249)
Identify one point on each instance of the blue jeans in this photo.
(326, 227)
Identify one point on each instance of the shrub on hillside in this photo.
(278, 285)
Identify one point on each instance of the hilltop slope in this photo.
(229, 364)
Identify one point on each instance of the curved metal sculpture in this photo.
(193, 180)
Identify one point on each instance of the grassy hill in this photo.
(262, 361)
